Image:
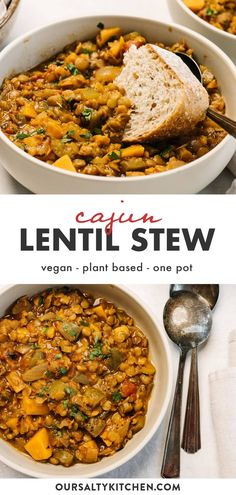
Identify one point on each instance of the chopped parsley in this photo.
(42, 392)
(73, 70)
(67, 138)
(114, 155)
(75, 410)
(35, 346)
(166, 151)
(70, 390)
(65, 404)
(23, 135)
(97, 131)
(58, 356)
(84, 323)
(48, 374)
(63, 371)
(117, 396)
(87, 135)
(86, 50)
(97, 351)
(87, 113)
(41, 300)
(210, 11)
(100, 25)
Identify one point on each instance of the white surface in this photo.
(223, 385)
(33, 13)
(213, 356)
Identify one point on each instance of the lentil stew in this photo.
(69, 112)
(219, 13)
(75, 377)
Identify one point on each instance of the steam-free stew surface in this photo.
(70, 113)
(75, 377)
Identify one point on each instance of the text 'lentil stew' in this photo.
(70, 113)
(219, 13)
(75, 377)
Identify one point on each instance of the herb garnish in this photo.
(114, 155)
(58, 356)
(87, 135)
(84, 323)
(210, 11)
(23, 135)
(73, 70)
(117, 396)
(87, 113)
(63, 371)
(42, 392)
(97, 131)
(97, 351)
(70, 390)
(75, 410)
(86, 50)
(167, 150)
(67, 138)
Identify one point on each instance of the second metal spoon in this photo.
(187, 320)
(191, 442)
(226, 123)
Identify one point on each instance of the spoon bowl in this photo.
(210, 292)
(226, 123)
(188, 321)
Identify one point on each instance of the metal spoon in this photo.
(210, 292)
(192, 431)
(226, 123)
(187, 320)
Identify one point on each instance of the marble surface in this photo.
(34, 13)
(212, 356)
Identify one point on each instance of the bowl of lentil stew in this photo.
(214, 19)
(102, 164)
(99, 403)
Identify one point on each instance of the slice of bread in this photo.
(167, 98)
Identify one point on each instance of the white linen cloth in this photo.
(223, 409)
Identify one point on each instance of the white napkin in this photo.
(223, 409)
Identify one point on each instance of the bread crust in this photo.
(190, 109)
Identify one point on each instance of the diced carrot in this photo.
(106, 34)
(134, 150)
(31, 407)
(29, 111)
(128, 388)
(38, 446)
(65, 163)
(54, 129)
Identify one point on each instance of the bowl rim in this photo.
(10, 11)
(230, 36)
(86, 177)
(125, 289)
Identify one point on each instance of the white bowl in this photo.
(160, 355)
(31, 49)
(182, 14)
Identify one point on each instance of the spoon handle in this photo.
(192, 436)
(226, 123)
(171, 459)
